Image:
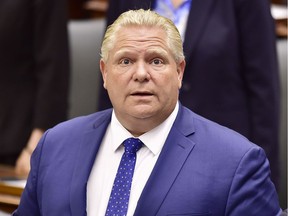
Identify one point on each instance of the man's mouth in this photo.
(141, 94)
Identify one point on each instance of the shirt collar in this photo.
(153, 139)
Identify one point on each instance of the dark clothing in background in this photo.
(231, 75)
(34, 70)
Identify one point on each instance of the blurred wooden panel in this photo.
(10, 193)
(96, 8)
(282, 2)
(76, 9)
(87, 9)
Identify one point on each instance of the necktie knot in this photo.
(132, 145)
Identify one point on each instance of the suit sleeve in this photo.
(252, 192)
(51, 62)
(260, 72)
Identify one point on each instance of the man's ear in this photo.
(103, 71)
(180, 71)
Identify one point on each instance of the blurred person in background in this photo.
(34, 70)
(231, 75)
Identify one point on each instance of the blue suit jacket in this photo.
(203, 169)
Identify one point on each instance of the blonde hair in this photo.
(143, 18)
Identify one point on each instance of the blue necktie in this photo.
(119, 197)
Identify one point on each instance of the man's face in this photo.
(141, 75)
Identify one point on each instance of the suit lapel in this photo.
(84, 162)
(172, 158)
(196, 24)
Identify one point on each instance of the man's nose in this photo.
(141, 72)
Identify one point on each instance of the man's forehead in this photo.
(140, 39)
(147, 37)
(140, 29)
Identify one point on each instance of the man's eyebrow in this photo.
(157, 51)
(124, 52)
(149, 51)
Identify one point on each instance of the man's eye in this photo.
(125, 61)
(157, 62)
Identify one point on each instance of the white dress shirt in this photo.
(105, 167)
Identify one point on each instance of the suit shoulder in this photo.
(82, 123)
(207, 131)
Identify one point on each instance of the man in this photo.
(231, 75)
(187, 165)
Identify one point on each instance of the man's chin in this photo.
(143, 112)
